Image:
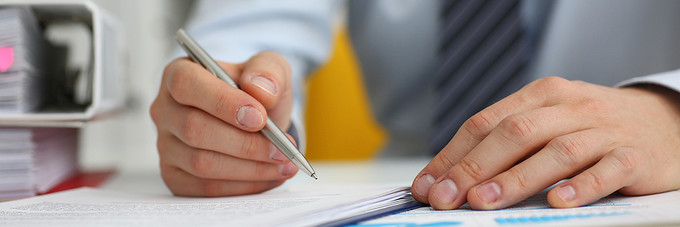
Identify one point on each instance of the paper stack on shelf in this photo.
(33, 160)
(22, 64)
(44, 100)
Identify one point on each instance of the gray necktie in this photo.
(483, 54)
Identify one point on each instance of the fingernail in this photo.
(249, 117)
(264, 83)
(446, 191)
(275, 154)
(489, 192)
(287, 169)
(566, 193)
(423, 185)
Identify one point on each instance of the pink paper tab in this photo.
(6, 58)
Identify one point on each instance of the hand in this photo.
(208, 139)
(608, 139)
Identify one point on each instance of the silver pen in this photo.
(270, 130)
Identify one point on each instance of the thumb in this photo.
(267, 77)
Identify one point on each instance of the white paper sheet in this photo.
(308, 206)
(93, 207)
(616, 210)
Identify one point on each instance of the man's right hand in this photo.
(208, 139)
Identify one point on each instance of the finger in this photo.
(515, 137)
(471, 133)
(266, 76)
(184, 184)
(560, 158)
(190, 84)
(478, 127)
(208, 164)
(199, 129)
(617, 169)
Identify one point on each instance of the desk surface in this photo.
(395, 171)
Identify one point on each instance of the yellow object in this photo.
(339, 121)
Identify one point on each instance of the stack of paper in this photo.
(313, 206)
(33, 160)
(330, 206)
(22, 64)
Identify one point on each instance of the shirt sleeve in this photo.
(670, 80)
(300, 30)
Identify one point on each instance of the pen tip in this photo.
(314, 175)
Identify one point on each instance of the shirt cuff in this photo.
(670, 80)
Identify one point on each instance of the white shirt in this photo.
(612, 43)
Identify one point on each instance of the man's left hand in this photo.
(605, 139)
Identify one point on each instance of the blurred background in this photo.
(126, 141)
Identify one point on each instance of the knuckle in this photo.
(551, 86)
(200, 162)
(595, 181)
(567, 150)
(273, 65)
(162, 148)
(192, 127)
(154, 111)
(221, 99)
(249, 146)
(472, 169)
(520, 178)
(625, 161)
(165, 154)
(517, 128)
(166, 172)
(444, 161)
(479, 124)
(551, 82)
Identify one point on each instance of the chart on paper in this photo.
(613, 210)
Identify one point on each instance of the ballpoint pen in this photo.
(270, 130)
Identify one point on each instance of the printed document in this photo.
(328, 205)
(615, 210)
(309, 207)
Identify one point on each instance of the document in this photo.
(615, 210)
(321, 206)
(311, 206)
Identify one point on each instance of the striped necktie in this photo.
(483, 53)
